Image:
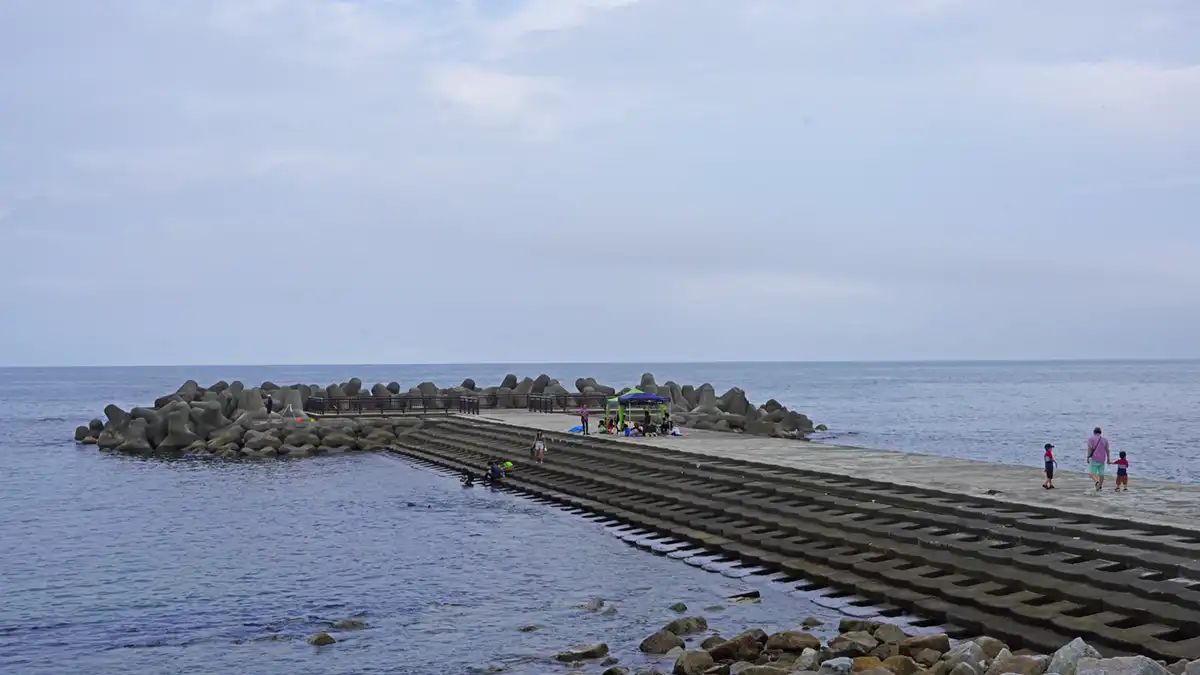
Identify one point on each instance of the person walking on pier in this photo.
(1122, 472)
(583, 417)
(539, 448)
(1097, 454)
(1050, 464)
(270, 404)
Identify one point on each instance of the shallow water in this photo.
(120, 565)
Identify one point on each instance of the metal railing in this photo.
(405, 404)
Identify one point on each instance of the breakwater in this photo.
(1030, 576)
(231, 420)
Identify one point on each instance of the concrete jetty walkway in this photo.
(1147, 501)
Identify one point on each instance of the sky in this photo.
(337, 181)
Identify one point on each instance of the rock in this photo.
(991, 646)
(744, 647)
(885, 651)
(901, 665)
(687, 625)
(861, 663)
(711, 641)
(348, 624)
(854, 643)
(812, 622)
(583, 652)
(1177, 668)
(380, 391)
(678, 607)
(849, 625)
(509, 382)
(967, 652)
(963, 668)
(527, 629)
(661, 642)
(647, 383)
(838, 666)
(939, 643)
(95, 427)
(179, 428)
(792, 641)
(693, 662)
(206, 417)
(889, 634)
(1007, 662)
(1192, 668)
(766, 669)
(733, 401)
(1065, 661)
(353, 388)
(594, 605)
(81, 433)
(1122, 665)
(321, 640)
(135, 440)
(926, 657)
(809, 659)
(616, 670)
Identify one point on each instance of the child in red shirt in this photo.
(1122, 472)
(1050, 464)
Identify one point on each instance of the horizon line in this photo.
(618, 363)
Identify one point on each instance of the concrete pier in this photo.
(1147, 501)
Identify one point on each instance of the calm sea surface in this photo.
(120, 565)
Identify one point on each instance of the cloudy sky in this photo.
(322, 181)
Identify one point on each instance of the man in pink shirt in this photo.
(1097, 453)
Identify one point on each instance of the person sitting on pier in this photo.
(468, 478)
(495, 474)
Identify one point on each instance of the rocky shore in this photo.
(231, 420)
(864, 647)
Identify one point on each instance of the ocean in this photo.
(134, 566)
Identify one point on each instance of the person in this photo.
(646, 418)
(507, 466)
(495, 474)
(583, 418)
(1122, 472)
(468, 478)
(270, 404)
(539, 448)
(1050, 464)
(1097, 454)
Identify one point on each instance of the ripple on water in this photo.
(122, 565)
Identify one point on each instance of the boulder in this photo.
(156, 422)
(991, 646)
(1192, 668)
(81, 433)
(792, 641)
(117, 418)
(687, 625)
(393, 388)
(229, 402)
(1005, 663)
(427, 389)
(509, 382)
(321, 640)
(901, 665)
(252, 403)
(809, 659)
(860, 663)
(711, 641)
(890, 634)
(582, 652)
(354, 387)
(335, 391)
(927, 657)
(302, 436)
(693, 662)
(1121, 665)
(854, 643)
(961, 669)
(615, 670)
(94, 427)
(380, 391)
(540, 384)
(1066, 660)
(268, 386)
(838, 666)
(468, 384)
(744, 647)
(756, 669)
(967, 652)
(188, 391)
(661, 642)
(939, 643)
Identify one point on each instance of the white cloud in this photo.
(545, 16)
(527, 102)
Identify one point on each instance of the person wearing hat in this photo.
(1050, 464)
